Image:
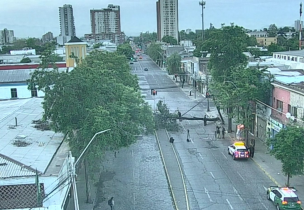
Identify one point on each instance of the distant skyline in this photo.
(33, 18)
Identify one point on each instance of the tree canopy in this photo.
(125, 49)
(99, 94)
(174, 64)
(233, 85)
(170, 40)
(155, 51)
(288, 146)
(226, 46)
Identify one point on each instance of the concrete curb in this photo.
(166, 171)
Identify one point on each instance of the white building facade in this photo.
(67, 25)
(7, 36)
(167, 18)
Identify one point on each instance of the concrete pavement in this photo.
(266, 162)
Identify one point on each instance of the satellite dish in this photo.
(288, 115)
(292, 118)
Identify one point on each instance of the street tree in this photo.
(145, 38)
(126, 50)
(239, 94)
(272, 30)
(170, 40)
(173, 64)
(288, 146)
(99, 94)
(155, 52)
(226, 46)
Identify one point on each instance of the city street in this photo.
(135, 176)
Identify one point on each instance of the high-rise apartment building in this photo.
(7, 36)
(297, 25)
(67, 25)
(105, 24)
(167, 18)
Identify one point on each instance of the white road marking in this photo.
(212, 175)
(265, 187)
(206, 191)
(229, 204)
(237, 193)
(201, 156)
(224, 155)
(134, 199)
(132, 152)
(241, 176)
(263, 204)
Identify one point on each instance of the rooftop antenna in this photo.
(300, 32)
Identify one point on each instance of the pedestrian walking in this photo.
(223, 132)
(188, 136)
(111, 202)
(218, 132)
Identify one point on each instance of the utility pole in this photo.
(208, 96)
(202, 3)
(300, 31)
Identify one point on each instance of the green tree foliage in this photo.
(288, 146)
(155, 52)
(275, 48)
(226, 46)
(233, 85)
(97, 45)
(174, 63)
(99, 94)
(170, 40)
(165, 119)
(32, 43)
(126, 50)
(251, 41)
(272, 30)
(26, 60)
(145, 38)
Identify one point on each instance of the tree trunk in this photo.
(220, 114)
(229, 120)
(288, 176)
(88, 194)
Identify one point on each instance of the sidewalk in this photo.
(266, 162)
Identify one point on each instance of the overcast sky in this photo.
(33, 18)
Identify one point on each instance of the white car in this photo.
(238, 150)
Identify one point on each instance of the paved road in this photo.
(213, 179)
(136, 178)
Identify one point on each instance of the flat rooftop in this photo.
(26, 142)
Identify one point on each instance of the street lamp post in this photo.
(202, 3)
(73, 175)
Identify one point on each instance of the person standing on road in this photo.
(223, 132)
(111, 203)
(218, 133)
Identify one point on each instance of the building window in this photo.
(279, 105)
(14, 93)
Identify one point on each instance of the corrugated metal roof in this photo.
(20, 75)
(10, 168)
